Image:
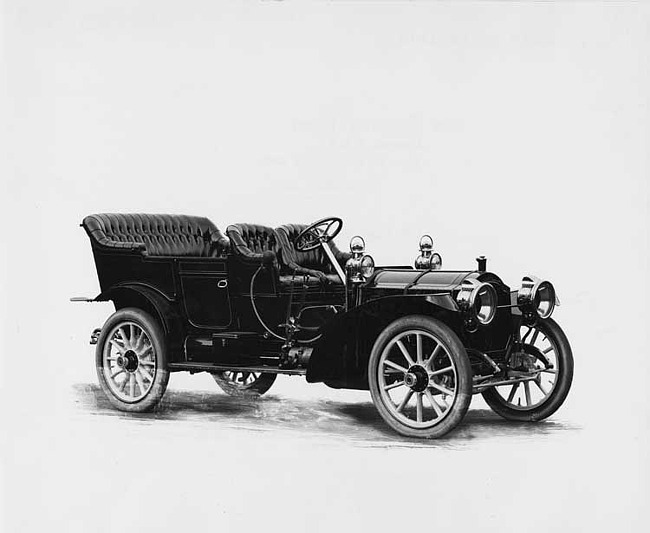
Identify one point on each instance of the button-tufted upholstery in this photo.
(175, 235)
(314, 262)
(250, 241)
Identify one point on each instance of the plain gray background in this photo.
(515, 130)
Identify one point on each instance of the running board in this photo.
(209, 367)
(238, 335)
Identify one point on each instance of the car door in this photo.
(206, 297)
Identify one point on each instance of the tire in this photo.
(555, 347)
(394, 380)
(132, 344)
(238, 383)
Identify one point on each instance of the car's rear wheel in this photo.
(546, 352)
(242, 383)
(131, 360)
(420, 377)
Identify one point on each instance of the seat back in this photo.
(313, 259)
(250, 239)
(173, 235)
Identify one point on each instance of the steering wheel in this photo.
(321, 231)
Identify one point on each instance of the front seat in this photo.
(250, 241)
(313, 266)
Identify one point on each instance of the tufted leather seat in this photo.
(250, 241)
(175, 235)
(314, 263)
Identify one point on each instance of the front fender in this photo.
(341, 355)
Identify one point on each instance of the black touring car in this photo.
(264, 301)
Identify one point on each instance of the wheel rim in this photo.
(241, 379)
(527, 395)
(129, 362)
(417, 379)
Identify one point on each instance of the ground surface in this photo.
(304, 457)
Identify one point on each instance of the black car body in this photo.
(261, 301)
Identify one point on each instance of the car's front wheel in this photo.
(131, 360)
(420, 377)
(546, 353)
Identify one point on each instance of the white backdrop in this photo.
(519, 131)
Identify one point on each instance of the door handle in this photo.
(222, 283)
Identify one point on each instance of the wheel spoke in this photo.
(441, 388)
(124, 383)
(433, 355)
(419, 406)
(550, 370)
(418, 350)
(405, 400)
(527, 391)
(441, 371)
(138, 378)
(395, 366)
(145, 374)
(125, 339)
(120, 349)
(523, 340)
(549, 349)
(539, 385)
(115, 374)
(405, 353)
(394, 385)
(433, 403)
(140, 342)
(146, 351)
(147, 363)
(131, 385)
(534, 338)
(513, 390)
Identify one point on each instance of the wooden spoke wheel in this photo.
(131, 360)
(420, 377)
(546, 356)
(242, 383)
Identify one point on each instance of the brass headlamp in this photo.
(478, 301)
(536, 296)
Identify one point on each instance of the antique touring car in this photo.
(264, 301)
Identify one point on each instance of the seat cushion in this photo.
(173, 235)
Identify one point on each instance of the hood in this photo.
(419, 280)
(429, 281)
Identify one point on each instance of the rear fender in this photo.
(341, 356)
(148, 299)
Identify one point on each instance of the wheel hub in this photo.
(416, 378)
(129, 361)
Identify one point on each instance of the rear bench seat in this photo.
(156, 235)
